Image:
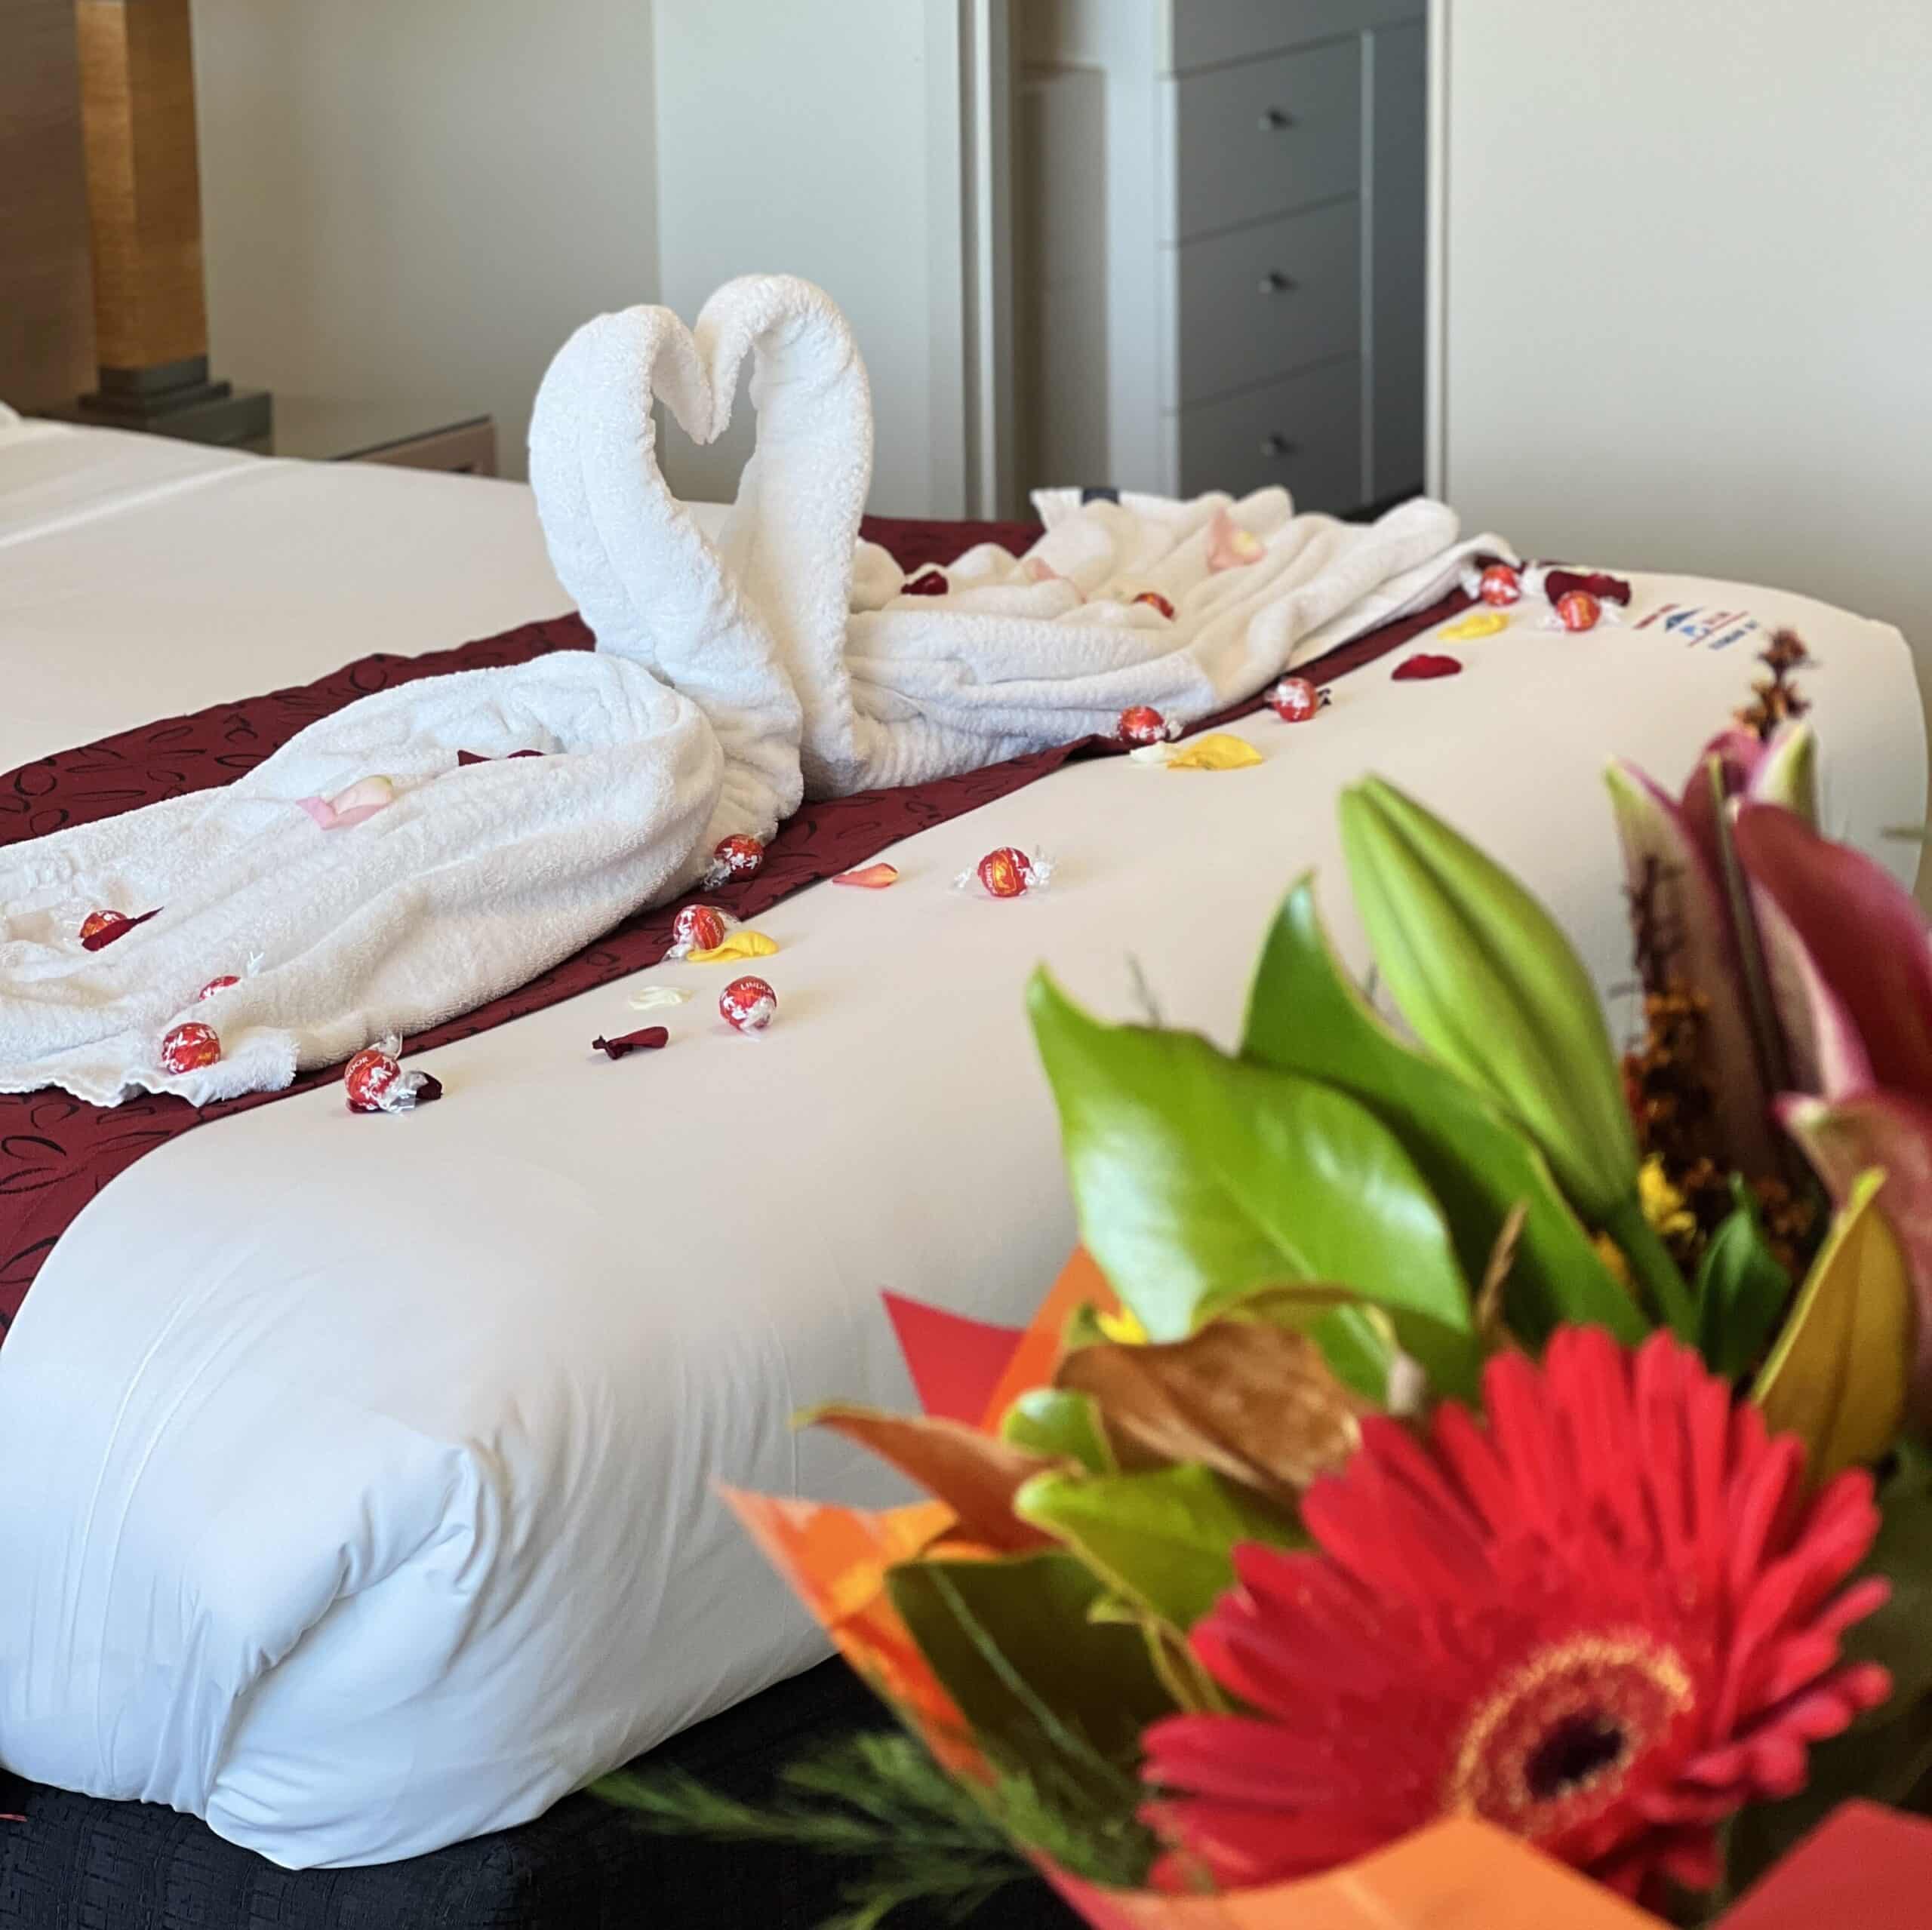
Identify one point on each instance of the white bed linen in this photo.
(359, 1470)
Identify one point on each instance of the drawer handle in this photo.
(1275, 119)
(1277, 446)
(1275, 283)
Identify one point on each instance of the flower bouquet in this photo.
(1448, 1428)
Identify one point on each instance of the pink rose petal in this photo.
(873, 877)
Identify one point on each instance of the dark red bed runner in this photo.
(57, 1152)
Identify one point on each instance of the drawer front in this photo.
(1265, 301)
(1267, 138)
(1304, 433)
(1205, 33)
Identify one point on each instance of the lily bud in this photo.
(1494, 989)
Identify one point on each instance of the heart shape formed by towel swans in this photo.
(1188, 606)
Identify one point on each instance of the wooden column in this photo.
(144, 204)
(46, 325)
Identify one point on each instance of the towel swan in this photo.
(1020, 651)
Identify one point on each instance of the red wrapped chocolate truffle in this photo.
(699, 928)
(95, 922)
(190, 1047)
(1142, 724)
(735, 857)
(1008, 872)
(1500, 585)
(374, 1081)
(1294, 699)
(748, 1005)
(213, 986)
(1578, 610)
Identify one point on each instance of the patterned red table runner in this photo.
(57, 1152)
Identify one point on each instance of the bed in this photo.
(360, 1474)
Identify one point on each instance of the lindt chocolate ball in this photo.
(748, 1005)
(1500, 585)
(736, 857)
(213, 986)
(1294, 699)
(700, 927)
(368, 1078)
(1154, 599)
(95, 922)
(1005, 873)
(1142, 724)
(189, 1047)
(1578, 610)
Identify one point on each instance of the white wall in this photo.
(1688, 294)
(421, 198)
(798, 136)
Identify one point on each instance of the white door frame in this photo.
(969, 257)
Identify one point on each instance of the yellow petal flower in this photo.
(1478, 623)
(744, 943)
(1123, 1329)
(1219, 751)
(1662, 1203)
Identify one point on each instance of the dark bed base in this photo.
(79, 1864)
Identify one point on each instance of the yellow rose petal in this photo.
(1220, 751)
(744, 943)
(1478, 623)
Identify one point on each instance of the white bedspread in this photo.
(358, 1470)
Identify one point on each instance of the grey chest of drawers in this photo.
(1220, 243)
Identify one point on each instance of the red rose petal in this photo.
(112, 929)
(1426, 664)
(927, 582)
(648, 1039)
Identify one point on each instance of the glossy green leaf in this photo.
(1162, 1539)
(1837, 1377)
(1305, 1016)
(1492, 987)
(1059, 1425)
(1193, 1174)
(1741, 1290)
(1038, 1679)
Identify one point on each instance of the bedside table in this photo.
(412, 435)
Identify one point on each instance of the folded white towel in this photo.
(473, 881)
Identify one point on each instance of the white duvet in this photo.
(358, 1470)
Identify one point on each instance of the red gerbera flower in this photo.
(1604, 1622)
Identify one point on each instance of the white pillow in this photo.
(8, 417)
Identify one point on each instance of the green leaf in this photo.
(1059, 1425)
(1163, 1539)
(1741, 1290)
(1492, 987)
(1895, 1632)
(1038, 1679)
(1837, 1376)
(1194, 1175)
(1305, 1016)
